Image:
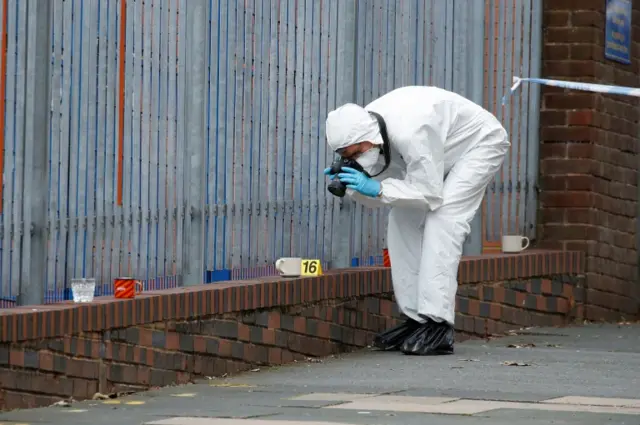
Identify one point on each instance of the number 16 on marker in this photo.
(311, 268)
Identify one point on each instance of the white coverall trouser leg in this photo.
(425, 275)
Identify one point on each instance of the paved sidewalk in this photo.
(578, 375)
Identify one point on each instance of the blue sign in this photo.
(617, 32)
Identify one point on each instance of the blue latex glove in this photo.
(359, 182)
(327, 173)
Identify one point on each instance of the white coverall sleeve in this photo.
(422, 186)
(367, 201)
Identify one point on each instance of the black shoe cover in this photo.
(393, 338)
(430, 339)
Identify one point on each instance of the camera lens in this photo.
(337, 188)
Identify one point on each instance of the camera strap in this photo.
(386, 147)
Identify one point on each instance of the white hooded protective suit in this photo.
(445, 150)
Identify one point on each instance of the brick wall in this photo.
(589, 157)
(176, 336)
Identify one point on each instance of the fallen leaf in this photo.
(100, 396)
(63, 403)
(508, 363)
(255, 370)
(529, 345)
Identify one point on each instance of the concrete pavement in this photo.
(576, 375)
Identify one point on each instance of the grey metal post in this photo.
(473, 244)
(345, 92)
(195, 109)
(635, 295)
(33, 252)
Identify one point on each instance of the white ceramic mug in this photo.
(514, 243)
(289, 266)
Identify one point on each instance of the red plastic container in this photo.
(386, 261)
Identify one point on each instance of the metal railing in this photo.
(178, 141)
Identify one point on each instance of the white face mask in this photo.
(369, 159)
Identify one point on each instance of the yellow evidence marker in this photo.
(311, 267)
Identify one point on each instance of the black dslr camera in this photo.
(336, 187)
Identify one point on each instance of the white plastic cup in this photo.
(83, 289)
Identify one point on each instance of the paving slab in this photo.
(575, 375)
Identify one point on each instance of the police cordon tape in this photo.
(599, 88)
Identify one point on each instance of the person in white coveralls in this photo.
(441, 152)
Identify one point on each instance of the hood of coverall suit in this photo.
(350, 124)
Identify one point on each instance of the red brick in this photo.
(571, 231)
(566, 199)
(324, 330)
(579, 182)
(274, 320)
(564, 166)
(573, 5)
(579, 216)
(565, 68)
(386, 308)
(224, 348)
(553, 18)
(495, 311)
(541, 303)
(300, 325)
(553, 215)
(244, 333)
(595, 313)
(573, 35)
(584, 117)
(572, 100)
(275, 356)
(269, 336)
(578, 246)
(498, 294)
(562, 305)
(498, 327)
(199, 344)
(45, 360)
(553, 150)
(172, 341)
(556, 51)
(584, 52)
(474, 307)
(553, 117)
(588, 18)
(145, 336)
(553, 182)
(16, 358)
(287, 356)
(568, 134)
